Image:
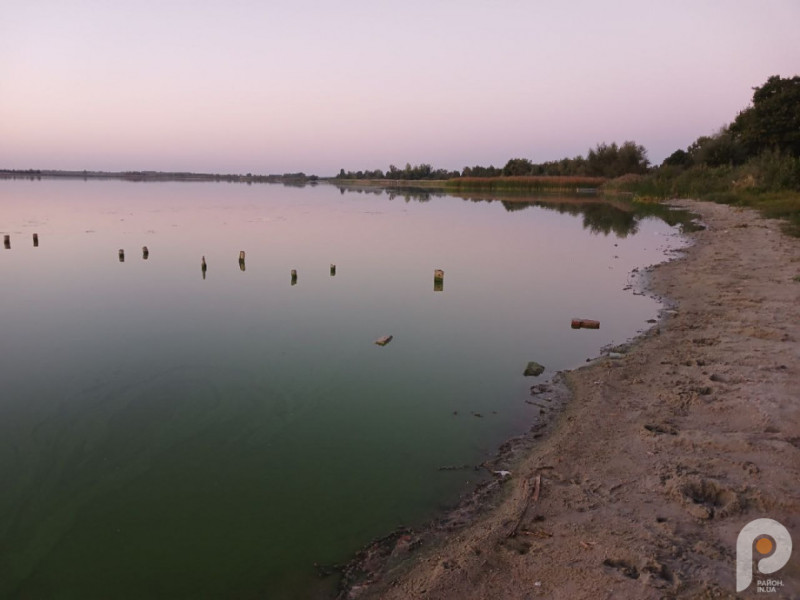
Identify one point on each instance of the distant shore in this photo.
(33, 174)
(664, 451)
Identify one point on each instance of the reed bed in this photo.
(767, 183)
(525, 183)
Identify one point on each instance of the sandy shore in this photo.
(662, 454)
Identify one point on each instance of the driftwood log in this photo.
(585, 324)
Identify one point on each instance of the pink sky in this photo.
(301, 85)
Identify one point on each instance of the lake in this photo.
(172, 433)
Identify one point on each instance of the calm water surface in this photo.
(166, 435)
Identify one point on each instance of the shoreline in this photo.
(639, 485)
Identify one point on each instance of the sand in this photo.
(640, 486)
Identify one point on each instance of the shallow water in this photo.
(169, 435)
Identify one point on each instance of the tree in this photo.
(722, 148)
(773, 121)
(518, 166)
(679, 158)
(613, 160)
(479, 171)
(631, 158)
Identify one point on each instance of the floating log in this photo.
(145, 253)
(35, 240)
(382, 341)
(7, 242)
(333, 269)
(585, 324)
(294, 277)
(121, 255)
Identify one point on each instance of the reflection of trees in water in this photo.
(598, 217)
(415, 196)
(360, 190)
(515, 206)
(621, 217)
(295, 183)
(617, 216)
(406, 194)
(605, 219)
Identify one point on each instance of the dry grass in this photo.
(527, 183)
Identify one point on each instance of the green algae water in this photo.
(169, 433)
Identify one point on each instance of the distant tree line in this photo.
(409, 173)
(605, 160)
(286, 178)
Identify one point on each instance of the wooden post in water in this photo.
(438, 280)
(241, 260)
(294, 277)
(333, 269)
(35, 240)
(121, 255)
(145, 253)
(203, 266)
(7, 242)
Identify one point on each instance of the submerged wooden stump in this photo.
(382, 341)
(145, 253)
(438, 280)
(121, 255)
(585, 324)
(35, 240)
